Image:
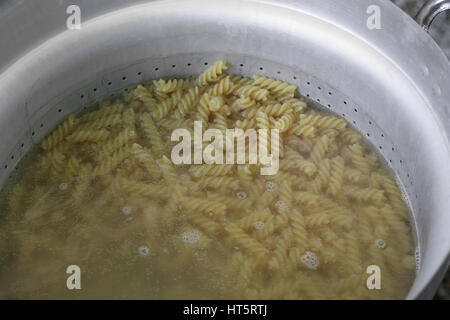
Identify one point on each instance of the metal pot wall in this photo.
(393, 83)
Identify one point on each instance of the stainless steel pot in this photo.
(392, 83)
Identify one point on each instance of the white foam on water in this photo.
(310, 260)
(280, 205)
(380, 243)
(144, 251)
(271, 186)
(63, 186)
(192, 236)
(127, 210)
(259, 225)
(241, 195)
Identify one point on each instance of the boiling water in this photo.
(101, 193)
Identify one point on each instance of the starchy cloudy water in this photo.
(102, 193)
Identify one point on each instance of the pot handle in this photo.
(429, 11)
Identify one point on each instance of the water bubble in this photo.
(437, 90)
(271, 186)
(191, 236)
(310, 260)
(280, 205)
(259, 225)
(63, 186)
(380, 243)
(242, 195)
(143, 251)
(127, 210)
(425, 70)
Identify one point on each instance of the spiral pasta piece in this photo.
(278, 87)
(59, 133)
(108, 147)
(253, 92)
(163, 109)
(222, 88)
(169, 86)
(113, 161)
(152, 134)
(213, 72)
(146, 159)
(241, 238)
(104, 111)
(187, 102)
(88, 135)
(137, 188)
(285, 122)
(322, 122)
(337, 175)
(144, 95)
(244, 103)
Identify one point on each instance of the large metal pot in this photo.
(393, 83)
